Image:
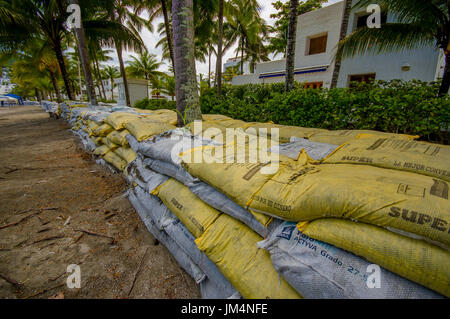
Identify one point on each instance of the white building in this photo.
(317, 40)
(236, 62)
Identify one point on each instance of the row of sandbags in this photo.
(336, 202)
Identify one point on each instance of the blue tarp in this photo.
(17, 97)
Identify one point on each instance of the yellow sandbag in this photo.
(115, 160)
(208, 130)
(91, 127)
(143, 111)
(232, 246)
(410, 202)
(144, 129)
(284, 132)
(214, 117)
(112, 146)
(96, 140)
(230, 123)
(418, 157)
(169, 118)
(101, 150)
(118, 120)
(73, 106)
(103, 130)
(239, 181)
(126, 153)
(413, 259)
(195, 214)
(344, 136)
(118, 137)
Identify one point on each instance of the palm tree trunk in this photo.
(123, 73)
(38, 96)
(209, 69)
(242, 56)
(112, 89)
(85, 61)
(55, 86)
(219, 51)
(188, 103)
(291, 38)
(168, 31)
(99, 75)
(342, 35)
(445, 86)
(62, 66)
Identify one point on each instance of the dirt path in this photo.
(52, 189)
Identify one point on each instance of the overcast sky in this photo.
(150, 40)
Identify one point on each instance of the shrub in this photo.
(155, 104)
(396, 106)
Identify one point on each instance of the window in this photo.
(361, 20)
(318, 44)
(362, 78)
(313, 85)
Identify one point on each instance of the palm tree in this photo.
(23, 20)
(420, 23)
(278, 43)
(343, 33)
(219, 51)
(168, 86)
(188, 104)
(157, 8)
(290, 52)
(35, 68)
(145, 66)
(84, 59)
(118, 13)
(111, 73)
(246, 27)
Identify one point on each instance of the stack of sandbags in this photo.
(212, 214)
(399, 206)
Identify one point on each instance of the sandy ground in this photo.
(52, 195)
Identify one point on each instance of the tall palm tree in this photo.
(84, 58)
(22, 20)
(188, 104)
(111, 73)
(168, 87)
(291, 38)
(245, 26)
(158, 8)
(219, 51)
(278, 42)
(120, 12)
(342, 34)
(144, 66)
(420, 23)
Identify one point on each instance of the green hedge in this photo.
(397, 106)
(155, 104)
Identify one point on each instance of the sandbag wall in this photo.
(339, 202)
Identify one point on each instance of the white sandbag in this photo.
(321, 271)
(168, 169)
(317, 151)
(154, 211)
(180, 256)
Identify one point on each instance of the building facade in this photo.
(316, 44)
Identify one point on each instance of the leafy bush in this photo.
(396, 106)
(155, 104)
